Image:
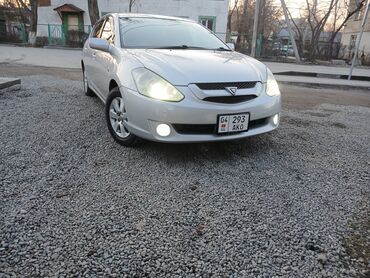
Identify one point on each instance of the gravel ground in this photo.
(73, 202)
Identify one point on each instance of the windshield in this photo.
(140, 32)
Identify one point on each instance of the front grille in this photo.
(194, 129)
(230, 99)
(222, 86)
(211, 128)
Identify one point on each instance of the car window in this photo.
(154, 33)
(108, 32)
(97, 29)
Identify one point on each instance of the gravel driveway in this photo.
(73, 202)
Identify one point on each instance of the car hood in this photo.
(183, 67)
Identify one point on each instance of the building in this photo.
(59, 20)
(351, 30)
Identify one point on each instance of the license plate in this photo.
(233, 123)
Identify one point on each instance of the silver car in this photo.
(170, 79)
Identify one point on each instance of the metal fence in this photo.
(62, 35)
(13, 32)
(48, 34)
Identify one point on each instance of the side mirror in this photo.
(99, 44)
(231, 45)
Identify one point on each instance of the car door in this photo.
(91, 65)
(105, 60)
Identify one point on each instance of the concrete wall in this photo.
(191, 9)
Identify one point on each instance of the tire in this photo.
(115, 113)
(85, 82)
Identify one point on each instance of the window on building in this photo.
(208, 21)
(352, 41)
(72, 22)
(44, 3)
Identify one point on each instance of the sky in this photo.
(294, 6)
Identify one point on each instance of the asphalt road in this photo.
(70, 58)
(292, 203)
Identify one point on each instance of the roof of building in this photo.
(68, 8)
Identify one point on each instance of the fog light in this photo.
(163, 130)
(275, 119)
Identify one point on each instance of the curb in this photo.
(6, 83)
(62, 47)
(321, 85)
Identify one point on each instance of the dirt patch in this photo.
(301, 98)
(357, 243)
(11, 70)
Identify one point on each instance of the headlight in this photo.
(152, 85)
(272, 87)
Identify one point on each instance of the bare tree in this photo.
(19, 10)
(33, 30)
(317, 18)
(270, 15)
(300, 28)
(93, 11)
(336, 14)
(242, 21)
(31, 7)
(130, 5)
(229, 17)
(245, 18)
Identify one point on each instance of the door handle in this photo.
(94, 55)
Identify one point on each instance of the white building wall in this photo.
(191, 9)
(364, 44)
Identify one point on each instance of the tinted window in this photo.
(162, 33)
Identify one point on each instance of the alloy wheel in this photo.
(118, 117)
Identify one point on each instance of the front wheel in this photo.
(116, 115)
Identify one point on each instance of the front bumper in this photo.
(144, 114)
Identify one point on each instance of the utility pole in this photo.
(255, 28)
(298, 59)
(358, 41)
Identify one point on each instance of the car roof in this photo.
(138, 15)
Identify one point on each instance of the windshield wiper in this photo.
(222, 49)
(184, 46)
